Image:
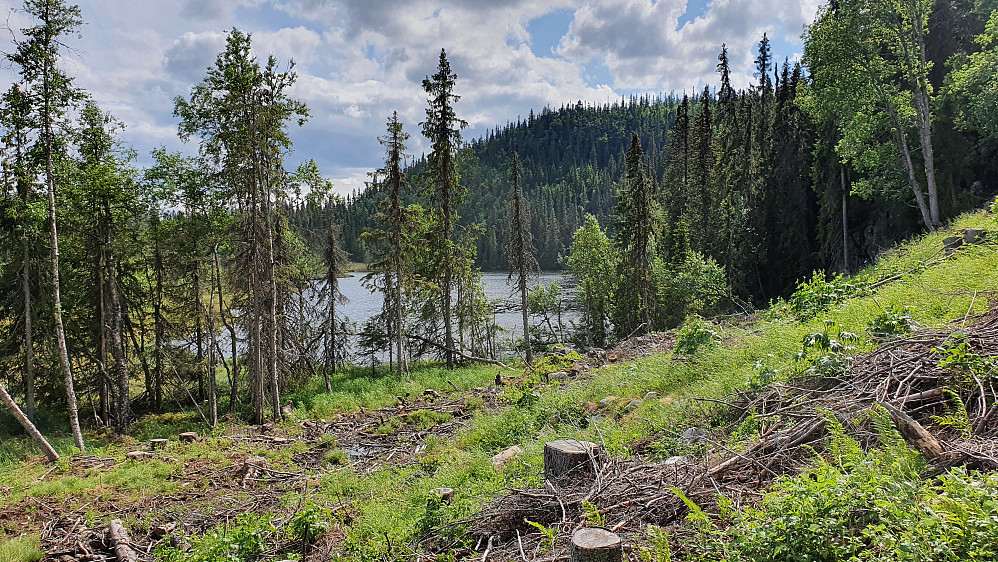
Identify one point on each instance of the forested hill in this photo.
(792, 174)
(571, 163)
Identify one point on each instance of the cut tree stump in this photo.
(252, 467)
(951, 243)
(188, 437)
(596, 545)
(569, 456)
(158, 444)
(442, 495)
(122, 545)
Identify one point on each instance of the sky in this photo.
(359, 60)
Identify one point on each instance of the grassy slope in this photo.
(389, 506)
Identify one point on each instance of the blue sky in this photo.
(359, 60)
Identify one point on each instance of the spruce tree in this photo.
(638, 217)
(443, 129)
(520, 251)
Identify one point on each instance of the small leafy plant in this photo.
(695, 335)
(826, 353)
(894, 321)
(820, 294)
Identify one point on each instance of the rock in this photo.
(973, 236)
(560, 350)
(951, 243)
(442, 495)
(139, 455)
(675, 461)
(608, 401)
(505, 456)
(570, 457)
(558, 376)
(651, 395)
(596, 545)
(158, 444)
(188, 437)
(288, 410)
(695, 435)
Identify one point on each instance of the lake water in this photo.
(363, 304)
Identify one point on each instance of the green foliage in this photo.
(658, 546)
(955, 355)
(425, 419)
(309, 522)
(336, 457)
(975, 83)
(593, 261)
(893, 321)
(694, 286)
(860, 505)
(827, 353)
(696, 334)
(548, 534)
(820, 294)
(243, 542)
(592, 516)
(24, 548)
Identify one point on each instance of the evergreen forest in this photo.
(783, 348)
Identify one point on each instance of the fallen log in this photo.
(29, 427)
(119, 538)
(913, 432)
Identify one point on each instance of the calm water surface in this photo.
(363, 304)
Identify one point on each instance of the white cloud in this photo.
(360, 60)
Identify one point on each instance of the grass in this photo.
(354, 387)
(24, 548)
(393, 505)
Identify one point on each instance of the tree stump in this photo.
(567, 456)
(441, 495)
(951, 244)
(596, 545)
(158, 444)
(973, 236)
(188, 437)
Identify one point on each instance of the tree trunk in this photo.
(29, 351)
(122, 544)
(212, 382)
(845, 221)
(103, 389)
(118, 347)
(272, 290)
(60, 332)
(233, 340)
(159, 327)
(29, 427)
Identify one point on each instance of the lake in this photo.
(363, 304)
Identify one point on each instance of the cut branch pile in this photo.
(902, 379)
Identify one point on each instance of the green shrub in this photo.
(892, 321)
(695, 335)
(820, 294)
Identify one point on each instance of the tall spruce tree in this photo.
(443, 129)
(240, 112)
(638, 217)
(520, 251)
(393, 240)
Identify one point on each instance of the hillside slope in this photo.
(357, 476)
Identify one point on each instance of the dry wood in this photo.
(570, 457)
(122, 545)
(29, 427)
(596, 545)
